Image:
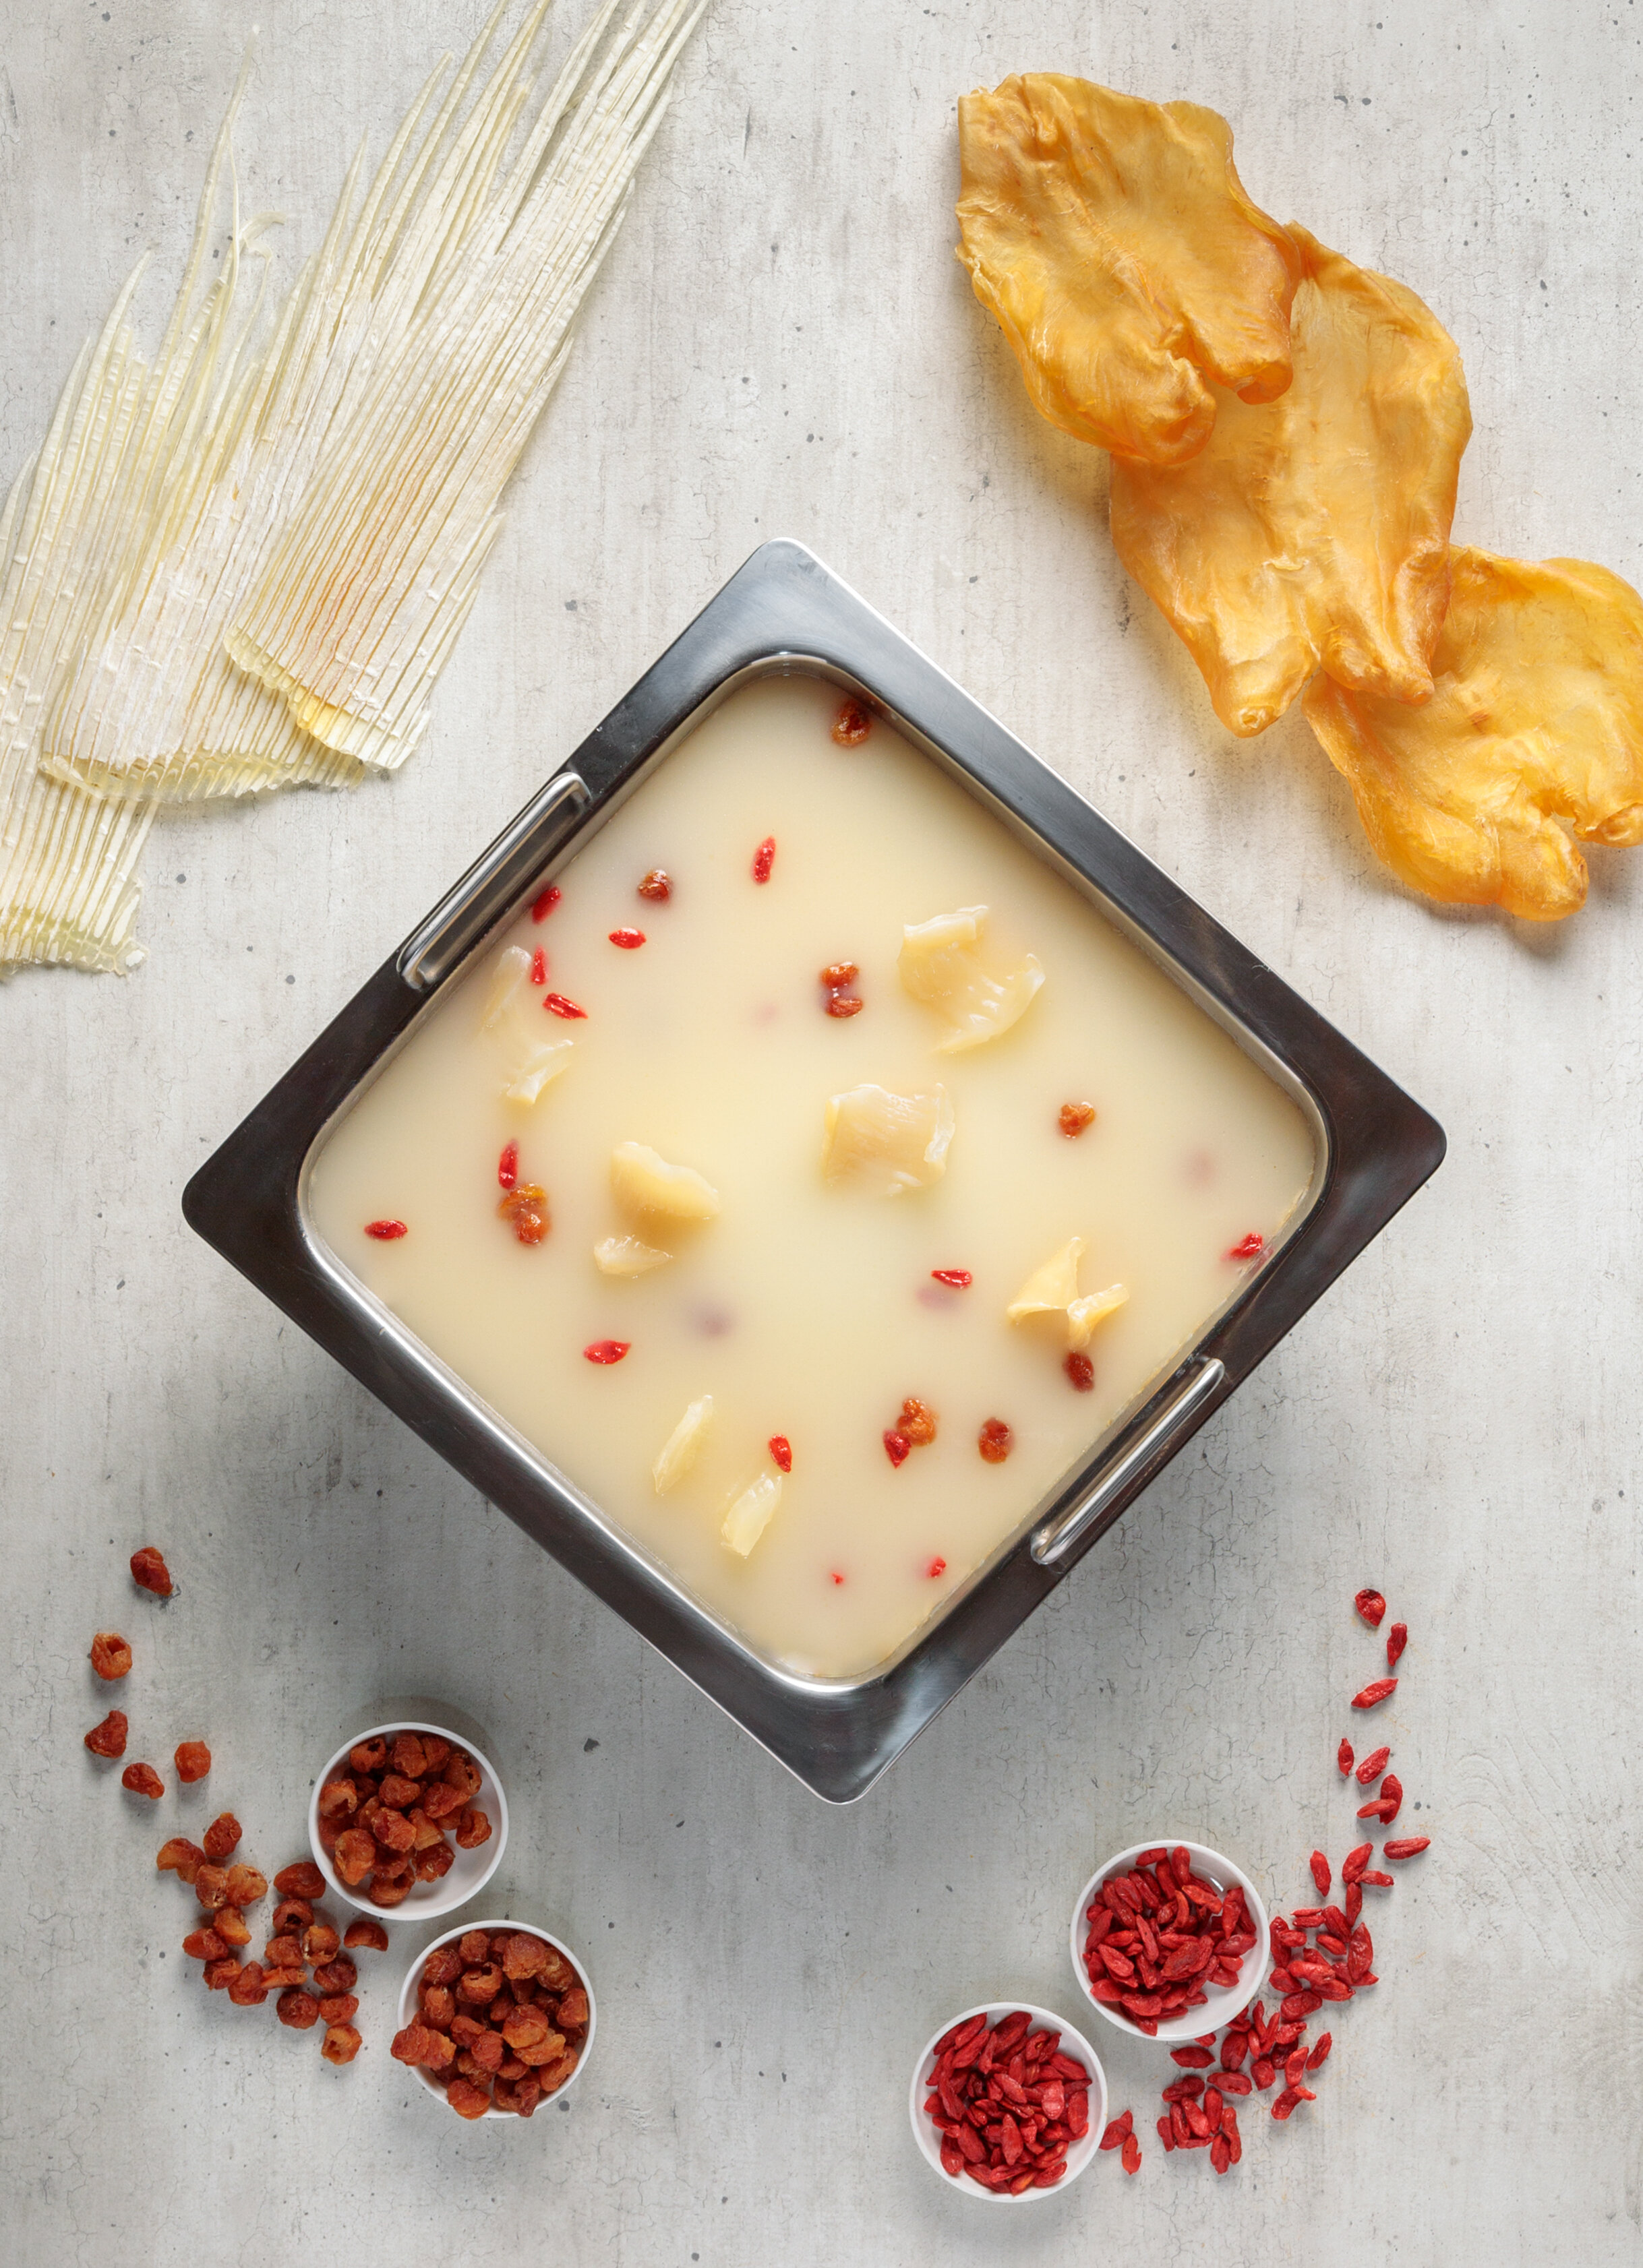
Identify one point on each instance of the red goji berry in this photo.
(958, 1278)
(544, 905)
(1112, 2138)
(508, 1166)
(1344, 1758)
(1220, 2153)
(605, 1351)
(1080, 1370)
(1248, 1248)
(1379, 1689)
(1076, 1118)
(657, 887)
(1130, 2156)
(1396, 1639)
(1319, 1867)
(994, 1441)
(556, 1004)
(1320, 2051)
(1391, 1798)
(1355, 1862)
(629, 940)
(897, 1448)
(1372, 1766)
(1379, 1807)
(764, 859)
(385, 1230)
(781, 1451)
(837, 1578)
(852, 724)
(538, 966)
(1406, 1847)
(1371, 1606)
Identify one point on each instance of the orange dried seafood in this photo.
(1534, 734)
(1313, 533)
(1124, 262)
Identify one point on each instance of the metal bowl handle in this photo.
(1057, 1535)
(491, 884)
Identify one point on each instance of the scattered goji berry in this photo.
(1248, 1247)
(1080, 1370)
(764, 859)
(1406, 1847)
(1391, 1798)
(897, 1448)
(781, 1451)
(1130, 2156)
(340, 2044)
(1371, 1606)
(538, 966)
(1007, 2102)
(605, 1351)
(556, 1004)
(193, 1760)
(1075, 1118)
(836, 1577)
(108, 1739)
(149, 1572)
(143, 1779)
(629, 940)
(544, 905)
(994, 1441)
(1379, 1689)
(1352, 1866)
(508, 1166)
(1396, 1639)
(852, 724)
(385, 1230)
(958, 1279)
(111, 1656)
(1372, 1766)
(1319, 1867)
(657, 887)
(1344, 1759)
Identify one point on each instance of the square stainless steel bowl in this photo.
(784, 611)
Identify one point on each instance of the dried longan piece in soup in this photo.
(1125, 265)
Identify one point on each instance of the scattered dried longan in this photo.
(300, 1880)
(222, 1837)
(340, 2044)
(181, 1857)
(108, 1739)
(299, 2009)
(111, 1656)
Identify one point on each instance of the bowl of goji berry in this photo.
(495, 2019)
(1008, 2103)
(408, 1819)
(1169, 1939)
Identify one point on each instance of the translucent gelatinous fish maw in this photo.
(1536, 726)
(683, 1446)
(1124, 262)
(513, 968)
(628, 1256)
(534, 1065)
(749, 1515)
(1053, 1289)
(1312, 533)
(886, 1143)
(1084, 1315)
(646, 1183)
(939, 964)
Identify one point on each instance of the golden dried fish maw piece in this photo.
(1313, 533)
(1114, 244)
(1535, 728)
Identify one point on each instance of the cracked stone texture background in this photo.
(783, 343)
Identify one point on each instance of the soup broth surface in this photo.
(808, 1309)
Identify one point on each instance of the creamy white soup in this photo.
(816, 1301)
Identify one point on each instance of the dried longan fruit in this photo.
(203, 1945)
(143, 1779)
(479, 1986)
(340, 2044)
(338, 1975)
(365, 1932)
(222, 1837)
(150, 1570)
(353, 1856)
(474, 1828)
(248, 1886)
(193, 1760)
(284, 1952)
(111, 1656)
(408, 1755)
(467, 2100)
(232, 1927)
(393, 1829)
(320, 1941)
(573, 2010)
(390, 1894)
(442, 1801)
(299, 2009)
(431, 1864)
(338, 2008)
(219, 1975)
(210, 1887)
(108, 1739)
(181, 1857)
(410, 2044)
(300, 1880)
(339, 1799)
(369, 1755)
(436, 1753)
(438, 2005)
(249, 1989)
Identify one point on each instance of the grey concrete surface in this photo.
(782, 342)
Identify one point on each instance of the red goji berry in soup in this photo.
(1248, 1247)
(764, 859)
(994, 1441)
(508, 1164)
(558, 1005)
(629, 940)
(897, 1448)
(657, 887)
(385, 1232)
(781, 1451)
(605, 1351)
(524, 1209)
(957, 1279)
(1080, 1370)
(1076, 1118)
(853, 725)
(544, 904)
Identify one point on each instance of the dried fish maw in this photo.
(1537, 719)
(1313, 533)
(1114, 242)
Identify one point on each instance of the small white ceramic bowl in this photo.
(408, 2010)
(928, 2136)
(472, 1870)
(1222, 2002)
